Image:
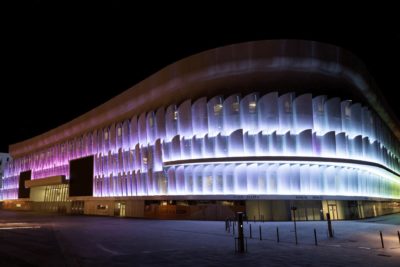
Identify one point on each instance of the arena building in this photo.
(259, 127)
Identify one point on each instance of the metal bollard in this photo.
(328, 218)
(240, 233)
(380, 232)
(315, 237)
(277, 234)
(260, 233)
(398, 234)
(251, 236)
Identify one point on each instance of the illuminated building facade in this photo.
(260, 126)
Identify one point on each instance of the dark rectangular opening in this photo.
(22, 191)
(81, 177)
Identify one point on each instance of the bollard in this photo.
(277, 234)
(260, 233)
(240, 233)
(251, 236)
(380, 232)
(294, 220)
(328, 218)
(398, 234)
(315, 237)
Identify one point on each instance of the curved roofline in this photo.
(222, 70)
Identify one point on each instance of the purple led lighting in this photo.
(129, 156)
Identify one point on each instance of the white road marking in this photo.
(108, 250)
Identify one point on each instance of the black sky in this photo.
(58, 63)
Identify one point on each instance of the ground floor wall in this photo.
(268, 210)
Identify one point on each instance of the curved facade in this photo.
(268, 120)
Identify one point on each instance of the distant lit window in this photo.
(288, 107)
(119, 131)
(320, 107)
(235, 106)
(252, 106)
(175, 115)
(217, 109)
(347, 111)
(145, 161)
(151, 121)
(106, 135)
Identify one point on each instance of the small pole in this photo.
(240, 232)
(380, 232)
(398, 234)
(277, 234)
(315, 237)
(294, 220)
(260, 233)
(328, 218)
(251, 236)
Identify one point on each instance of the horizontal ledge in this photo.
(51, 180)
(254, 159)
(229, 196)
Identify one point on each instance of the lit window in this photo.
(347, 111)
(151, 121)
(235, 106)
(175, 115)
(320, 107)
(145, 161)
(119, 131)
(106, 135)
(217, 109)
(252, 106)
(288, 107)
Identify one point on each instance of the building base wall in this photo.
(260, 210)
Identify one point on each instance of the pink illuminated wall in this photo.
(133, 157)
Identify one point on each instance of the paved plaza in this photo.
(32, 239)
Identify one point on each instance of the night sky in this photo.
(59, 64)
